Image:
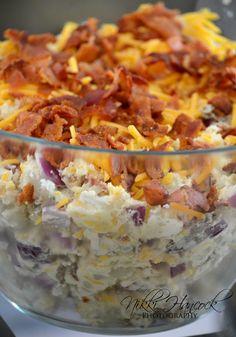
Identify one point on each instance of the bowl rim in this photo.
(65, 146)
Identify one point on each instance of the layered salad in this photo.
(99, 202)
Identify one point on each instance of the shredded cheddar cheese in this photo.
(86, 80)
(189, 212)
(63, 202)
(65, 34)
(73, 65)
(138, 137)
(9, 162)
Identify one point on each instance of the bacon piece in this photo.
(27, 195)
(94, 97)
(149, 18)
(92, 140)
(153, 168)
(150, 128)
(88, 52)
(115, 144)
(230, 168)
(97, 71)
(22, 37)
(18, 37)
(60, 71)
(129, 23)
(53, 132)
(30, 46)
(161, 20)
(184, 126)
(155, 194)
(27, 122)
(212, 198)
(11, 70)
(106, 109)
(198, 56)
(222, 103)
(191, 198)
(105, 130)
(135, 165)
(141, 105)
(176, 43)
(122, 84)
(58, 158)
(164, 26)
(41, 39)
(222, 77)
(12, 149)
(82, 34)
(125, 139)
(15, 78)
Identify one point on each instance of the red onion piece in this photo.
(216, 229)
(232, 201)
(36, 254)
(51, 173)
(53, 217)
(174, 271)
(138, 214)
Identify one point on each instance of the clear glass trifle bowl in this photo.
(118, 172)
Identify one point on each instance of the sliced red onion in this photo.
(51, 172)
(138, 214)
(44, 281)
(53, 217)
(232, 201)
(36, 254)
(179, 269)
(69, 243)
(215, 230)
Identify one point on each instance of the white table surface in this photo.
(24, 326)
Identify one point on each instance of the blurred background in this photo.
(49, 15)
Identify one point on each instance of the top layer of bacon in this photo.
(113, 93)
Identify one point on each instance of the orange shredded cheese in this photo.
(189, 212)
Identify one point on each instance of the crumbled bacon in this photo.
(54, 131)
(92, 140)
(155, 194)
(57, 157)
(149, 128)
(190, 197)
(222, 104)
(163, 26)
(27, 122)
(153, 168)
(115, 144)
(105, 130)
(212, 197)
(161, 21)
(27, 195)
(122, 84)
(184, 126)
(83, 34)
(230, 168)
(88, 52)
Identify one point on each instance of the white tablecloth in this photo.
(24, 326)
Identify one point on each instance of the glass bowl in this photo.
(79, 251)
